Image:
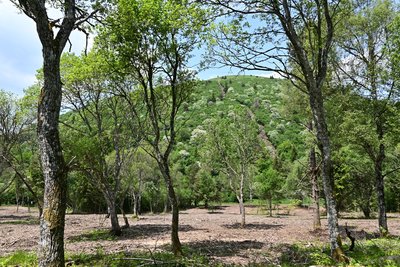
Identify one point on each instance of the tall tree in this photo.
(364, 66)
(54, 168)
(95, 128)
(294, 39)
(149, 43)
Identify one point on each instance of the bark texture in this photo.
(314, 74)
(111, 203)
(315, 189)
(52, 221)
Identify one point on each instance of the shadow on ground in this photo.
(221, 248)
(133, 232)
(253, 226)
(15, 219)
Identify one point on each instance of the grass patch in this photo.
(94, 235)
(376, 252)
(117, 259)
(383, 252)
(19, 258)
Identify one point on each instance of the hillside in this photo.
(264, 99)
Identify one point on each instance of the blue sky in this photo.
(20, 51)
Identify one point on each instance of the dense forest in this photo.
(127, 128)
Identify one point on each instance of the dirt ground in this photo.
(215, 233)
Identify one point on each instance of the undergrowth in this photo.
(383, 252)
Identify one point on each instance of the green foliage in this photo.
(100, 258)
(19, 258)
(268, 181)
(374, 252)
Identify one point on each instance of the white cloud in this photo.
(20, 48)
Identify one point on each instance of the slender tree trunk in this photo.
(121, 207)
(115, 227)
(240, 198)
(316, 104)
(166, 204)
(242, 210)
(135, 204)
(17, 196)
(380, 125)
(270, 206)
(176, 243)
(314, 188)
(380, 190)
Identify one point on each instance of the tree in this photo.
(16, 142)
(233, 145)
(364, 66)
(54, 168)
(97, 133)
(354, 175)
(149, 43)
(269, 182)
(294, 39)
(296, 109)
(138, 171)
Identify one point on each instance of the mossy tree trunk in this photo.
(52, 220)
(54, 170)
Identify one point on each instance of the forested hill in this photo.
(270, 115)
(265, 100)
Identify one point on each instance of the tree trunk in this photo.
(314, 188)
(378, 112)
(366, 209)
(121, 207)
(17, 196)
(270, 206)
(242, 209)
(115, 227)
(176, 243)
(316, 104)
(166, 204)
(206, 203)
(135, 204)
(52, 220)
(380, 186)
(380, 190)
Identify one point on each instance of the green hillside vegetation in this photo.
(278, 170)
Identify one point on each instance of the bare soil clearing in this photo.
(215, 233)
